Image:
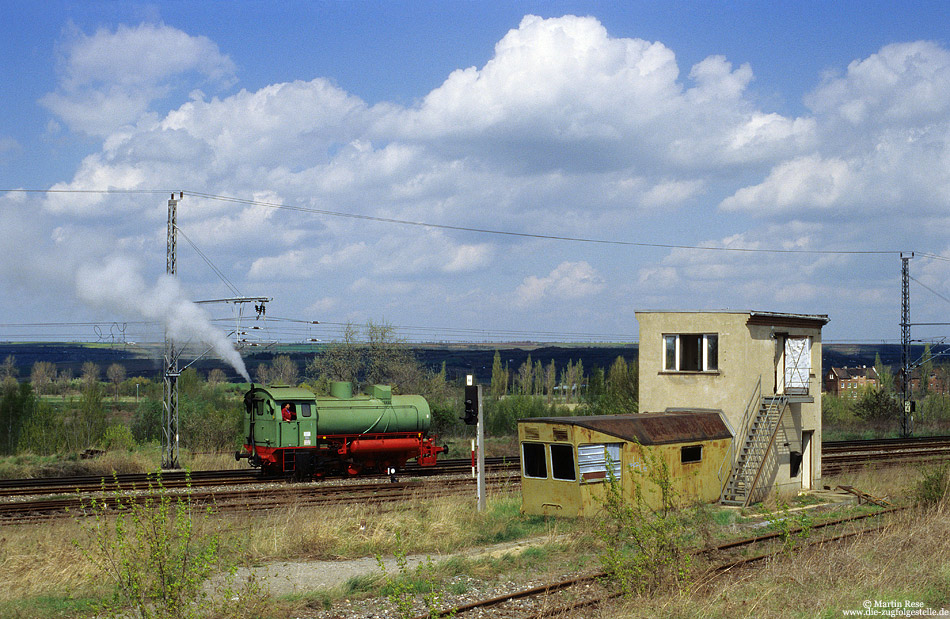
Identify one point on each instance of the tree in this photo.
(499, 377)
(340, 360)
(17, 405)
(216, 377)
(379, 357)
(263, 373)
(8, 369)
(526, 377)
(116, 374)
(90, 373)
(42, 375)
(885, 377)
(550, 380)
(622, 386)
(876, 404)
(63, 378)
(283, 371)
(538, 388)
(926, 370)
(89, 423)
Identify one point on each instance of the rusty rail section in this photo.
(549, 589)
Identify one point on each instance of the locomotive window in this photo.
(532, 458)
(304, 410)
(562, 462)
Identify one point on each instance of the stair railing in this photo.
(741, 433)
(781, 403)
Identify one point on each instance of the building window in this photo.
(691, 352)
(691, 453)
(593, 460)
(562, 462)
(532, 459)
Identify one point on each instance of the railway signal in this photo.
(471, 405)
(473, 416)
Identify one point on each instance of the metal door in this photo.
(797, 365)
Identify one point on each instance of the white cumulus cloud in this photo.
(569, 280)
(110, 78)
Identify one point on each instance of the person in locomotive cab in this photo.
(287, 412)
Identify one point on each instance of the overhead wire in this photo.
(234, 290)
(305, 209)
(509, 333)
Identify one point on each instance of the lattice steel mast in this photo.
(170, 402)
(907, 421)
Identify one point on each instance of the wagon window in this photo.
(691, 453)
(593, 461)
(562, 462)
(532, 459)
(304, 409)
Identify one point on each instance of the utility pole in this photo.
(171, 373)
(907, 420)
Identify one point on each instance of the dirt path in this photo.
(288, 577)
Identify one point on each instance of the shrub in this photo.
(157, 557)
(645, 540)
(147, 421)
(934, 487)
(119, 438)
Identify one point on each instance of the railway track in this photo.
(569, 596)
(52, 496)
(182, 479)
(235, 497)
(842, 456)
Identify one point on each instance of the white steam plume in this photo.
(117, 284)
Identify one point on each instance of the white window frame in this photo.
(706, 338)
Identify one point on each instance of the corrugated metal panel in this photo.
(653, 428)
(592, 460)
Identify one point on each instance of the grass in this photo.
(45, 576)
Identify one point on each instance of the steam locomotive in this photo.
(290, 431)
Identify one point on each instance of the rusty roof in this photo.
(651, 428)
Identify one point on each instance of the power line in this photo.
(510, 233)
(315, 211)
(207, 260)
(929, 288)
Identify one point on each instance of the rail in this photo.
(740, 435)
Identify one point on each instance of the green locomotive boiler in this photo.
(291, 431)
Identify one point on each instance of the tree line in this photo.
(56, 412)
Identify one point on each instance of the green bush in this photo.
(645, 541)
(502, 414)
(934, 486)
(118, 438)
(158, 560)
(147, 421)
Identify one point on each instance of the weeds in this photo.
(792, 529)
(403, 588)
(934, 487)
(157, 557)
(645, 540)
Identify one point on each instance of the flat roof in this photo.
(684, 426)
(757, 317)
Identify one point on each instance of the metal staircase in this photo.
(759, 430)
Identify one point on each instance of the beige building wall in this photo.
(750, 349)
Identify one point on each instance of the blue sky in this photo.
(814, 126)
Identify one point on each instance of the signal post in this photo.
(474, 416)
